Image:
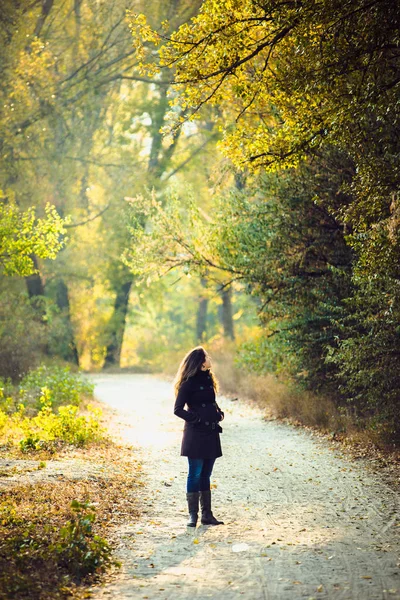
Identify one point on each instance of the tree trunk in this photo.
(47, 5)
(155, 168)
(118, 320)
(34, 282)
(201, 324)
(62, 299)
(35, 287)
(227, 320)
(240, 180)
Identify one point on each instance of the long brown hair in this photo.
(190, 365)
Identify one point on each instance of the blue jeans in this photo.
(200, 470)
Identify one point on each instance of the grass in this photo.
(56, 534)
(64, 486)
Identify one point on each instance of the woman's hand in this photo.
(196, 417)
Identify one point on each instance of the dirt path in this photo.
(301, 520)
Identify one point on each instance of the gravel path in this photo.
(301, 520)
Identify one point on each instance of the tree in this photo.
(23, 236)
(289, 77)
(61, 65)
(154, 105)
(292, 83)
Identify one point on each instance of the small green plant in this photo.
(8, 514)
(58, 384)
(78, 549)
(79, 429)
(3, 420)
(42, 431)
(48, 429)
(31, 442)
(7, 402)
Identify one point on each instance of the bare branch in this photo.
(193, 154)
(71, 225)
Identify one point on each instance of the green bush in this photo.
(63, 386)
(43, 412)
(77, 548)
(366, 355)
(263, 354)
(48, 428)
(42, 558)
(7, 396)
(66, 426)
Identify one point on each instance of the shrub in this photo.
(46, 557)
(63, 386)
(66, 426)
(48, 428)
(47, 416)
(366, 355)
(77, 548)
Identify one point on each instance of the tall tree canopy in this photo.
(80, 131)
(310, 88)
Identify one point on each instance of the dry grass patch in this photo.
(56, 536)
(277, 399)
(319, 413)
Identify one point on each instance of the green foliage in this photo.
(264, 354)
(294, 256)
(48, 430)
(22, 235)
(78, 549)
(6, 395)
(312, 72)
(61, 385)
(164, 244)
(43, 413)
(47, 557)
(277, 237)
(309, 91)
(65, 136)
(366, 354)
(9, 514)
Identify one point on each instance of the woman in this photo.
(195, 385)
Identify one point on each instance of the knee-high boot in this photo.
(193, 506)
(207, 518)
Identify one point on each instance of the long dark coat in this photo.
(201, 430)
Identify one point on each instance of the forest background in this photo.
(218, 172)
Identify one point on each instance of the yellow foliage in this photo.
(241, 55)
(67, 425)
